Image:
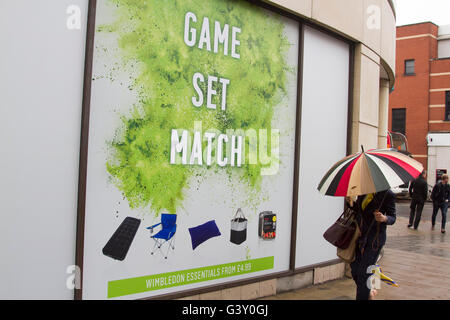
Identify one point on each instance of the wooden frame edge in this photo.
(84, 139)
(298, 125)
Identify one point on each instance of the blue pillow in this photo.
(203, 232)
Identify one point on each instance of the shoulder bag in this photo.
(341, 233)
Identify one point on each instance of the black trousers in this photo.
(443, 207)
(416, 212)
(359, 270)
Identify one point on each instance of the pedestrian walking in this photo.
(418, 191)
(369, 176)
(440, 196)
(374, 213)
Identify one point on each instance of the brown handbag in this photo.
(348, 254)
(340, 234)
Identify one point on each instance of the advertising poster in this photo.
(191, 146)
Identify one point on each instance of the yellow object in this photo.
(367, 200)
(384, 277)
(274, 218)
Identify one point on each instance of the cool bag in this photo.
(238, 228)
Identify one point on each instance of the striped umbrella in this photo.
(369, 172)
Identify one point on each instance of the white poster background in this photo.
(323, 141)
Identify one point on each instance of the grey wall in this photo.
(41, 66)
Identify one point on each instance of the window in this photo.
(410, 67)
(399, 120)
(447, 106)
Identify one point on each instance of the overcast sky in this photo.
(413, 11)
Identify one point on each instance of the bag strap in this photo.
(370, 227)
(382, 201)
(239, 210)
(347, 215)
(377, 236)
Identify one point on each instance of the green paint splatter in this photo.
(151, 35)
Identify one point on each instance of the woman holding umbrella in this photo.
(369, 176)
(374, 213)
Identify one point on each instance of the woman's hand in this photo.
(379, 216)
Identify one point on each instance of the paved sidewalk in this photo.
(419, 261)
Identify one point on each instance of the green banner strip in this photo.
(124, 287)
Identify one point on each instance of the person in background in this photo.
(440, 196)
(418, 191)
(374, 213)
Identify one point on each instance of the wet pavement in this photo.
(403, 210)
(431, 244)
(421, 241)
(418, 260)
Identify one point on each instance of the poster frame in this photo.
(83, 158)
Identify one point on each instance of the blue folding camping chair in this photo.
(166, 234)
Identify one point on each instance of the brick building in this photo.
(419, 106)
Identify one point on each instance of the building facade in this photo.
(337, 67)
(419, 106)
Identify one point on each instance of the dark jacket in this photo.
(370, 232)
(440, 193)
(418, 190)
